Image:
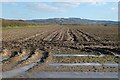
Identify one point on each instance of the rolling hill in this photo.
(72, 21)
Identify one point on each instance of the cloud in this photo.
(115, 9)
(67, 4)
(53, 6)
(96, 2)
(45, 7)
(59, 5)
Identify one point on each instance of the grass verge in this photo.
(20, 27)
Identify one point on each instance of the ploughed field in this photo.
(60, 48)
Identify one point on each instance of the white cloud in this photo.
(96, 2)
(115, 9)
(53, 7)
(67, 4)
(59, 5)
(45, 7)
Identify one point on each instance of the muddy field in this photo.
(60, 48)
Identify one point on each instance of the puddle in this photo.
(85, 64)
(75, 55)
(24, 58)
(18, 71)
(117, 55)
(3, 59)
(75, 75)
(114, 65)
(15, 72)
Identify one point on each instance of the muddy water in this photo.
(75, 75)
(82, 55)
(3, 59)
(25, 57)
(15, 72)
(117, 55)
(18, 71)
(85, 64)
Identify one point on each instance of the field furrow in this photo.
(60, 48)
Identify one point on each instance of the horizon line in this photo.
(60, 18)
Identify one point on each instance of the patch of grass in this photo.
(19, 27)
(6, 23)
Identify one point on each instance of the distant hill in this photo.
(6, 22)
(72, 21)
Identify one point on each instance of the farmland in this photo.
(61, 48)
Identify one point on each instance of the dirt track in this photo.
(38, 45)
